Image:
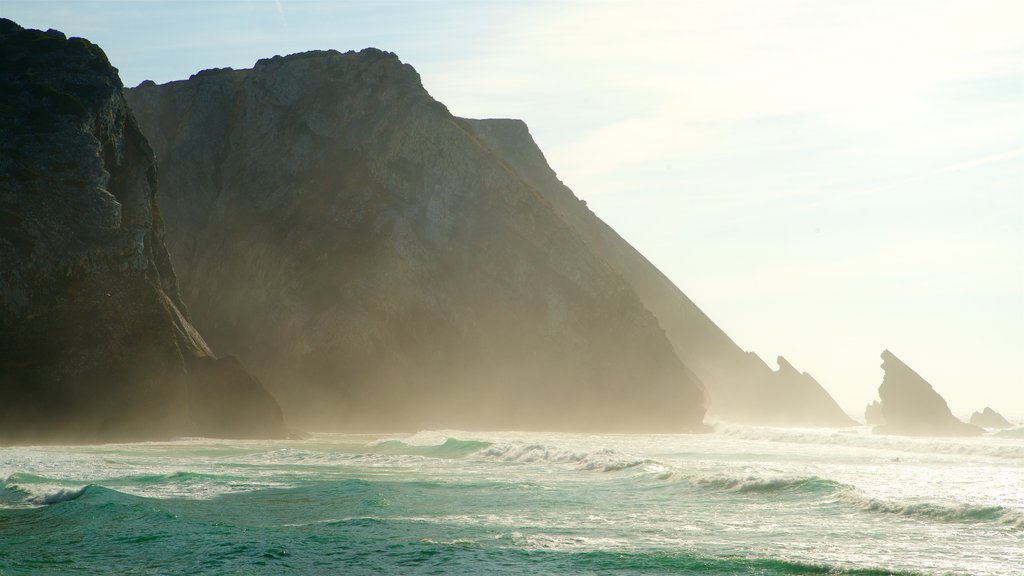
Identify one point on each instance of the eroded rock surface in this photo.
(95, 342)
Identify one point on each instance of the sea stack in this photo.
(873, 414)
(989, 418)
(380, 266)
(95, 341)
(910, 406)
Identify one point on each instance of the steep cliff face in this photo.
(740, 386)
(380, 267)
(95, 342)
(911, 406)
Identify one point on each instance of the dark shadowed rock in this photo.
(222, 387)
(95, 342)
(989, 418)
(741, 387)
(380, 266)
(911, 406)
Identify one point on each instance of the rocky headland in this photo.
(910, 406)
(741, 387)
(381, 265)
(96, 343)
(365, 250)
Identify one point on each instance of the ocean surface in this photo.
(742, 500)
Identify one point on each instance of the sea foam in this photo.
(603, 460)
(993, 447)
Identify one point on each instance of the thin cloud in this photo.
(955, 167)
(969, 164)
(280, 13)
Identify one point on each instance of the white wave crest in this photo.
(604, 460)
(60, 495)
(935, 511)
(41, 494)
(808, 485)
(986, 446)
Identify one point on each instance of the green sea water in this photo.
(742, 500)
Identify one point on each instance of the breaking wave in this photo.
(20, 490)
(811, 485)
(451, 448)
(933, 511)
(993, 447)
(816, 487)
(57, 496)
(604, 460)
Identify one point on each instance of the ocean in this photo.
(741, 500)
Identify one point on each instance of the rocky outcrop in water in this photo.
(910, 406)
(380, 266)
(741, 387)
(95, 342)
(873, 414)
(989, 418)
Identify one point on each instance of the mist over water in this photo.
(743, 500)
(362, 259)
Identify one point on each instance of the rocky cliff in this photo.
(989, 418)
(95, 342)
(380, 266)
(910, 405)
(741, 387)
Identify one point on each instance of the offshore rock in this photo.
(380, 267)
(873, 414)
(741, 387)
(910, 406)
(95, 342)
(989, 418)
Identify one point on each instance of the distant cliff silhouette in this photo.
(380, 267)
(989, 418)
(95, 342)
(378, 260)
(741, 387)
(910, 406)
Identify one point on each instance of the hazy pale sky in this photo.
(824, 178)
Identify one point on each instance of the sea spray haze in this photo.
(385, 264)
(380, 262)
(743, 500)
(380, 267)
(740, 386)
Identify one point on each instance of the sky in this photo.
(825, 179)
